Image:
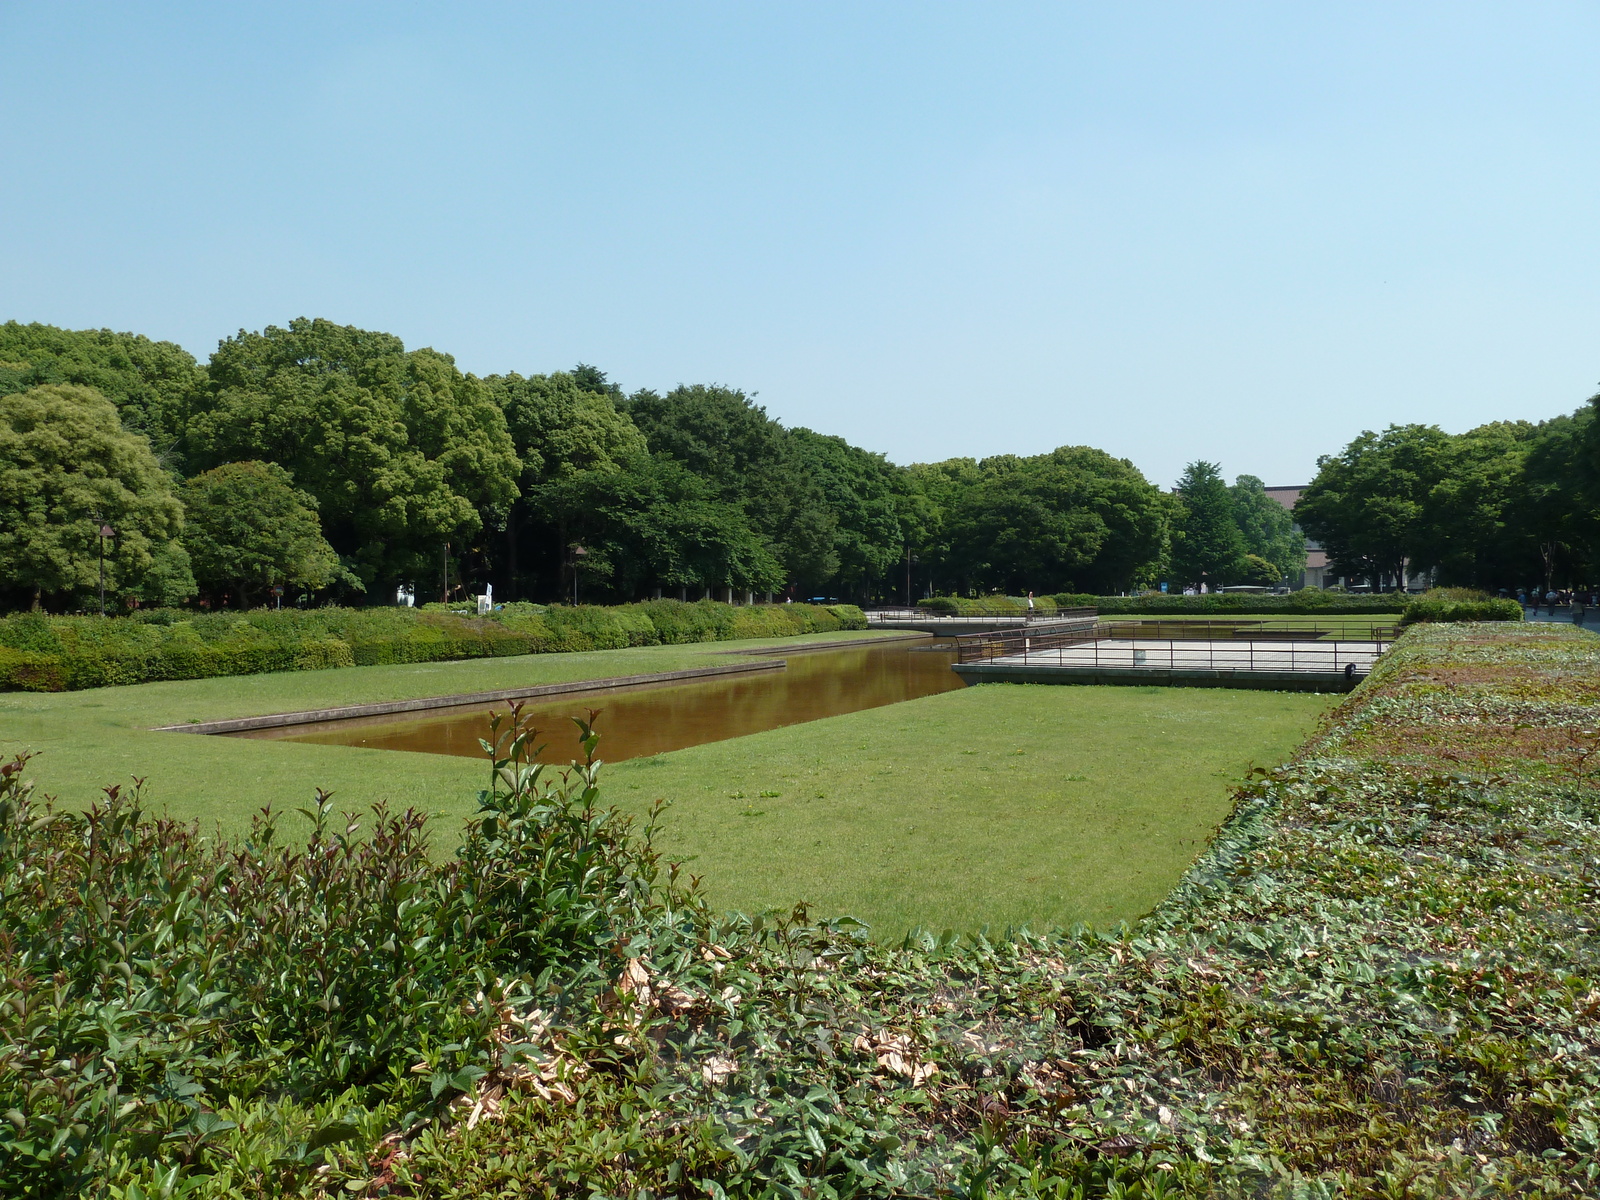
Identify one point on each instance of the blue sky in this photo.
(1239, 232)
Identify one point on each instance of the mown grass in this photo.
(996, 806)
(90, 739)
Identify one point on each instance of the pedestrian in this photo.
(1030, 604)
(1522, 597)
(1550, 602)
(1577, 608)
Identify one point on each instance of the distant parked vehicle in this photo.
(824, 600)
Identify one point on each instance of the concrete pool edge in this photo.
(1266, 681)
(385, 708)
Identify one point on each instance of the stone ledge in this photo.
(312, 716)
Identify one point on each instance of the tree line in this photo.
(332, 463)
(1507, 504)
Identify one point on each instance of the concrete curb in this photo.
(1273, 681)
(844, 644)
(312, 716)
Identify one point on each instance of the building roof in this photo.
(1287, 495)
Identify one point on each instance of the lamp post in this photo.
(104, 532)
(578, 552)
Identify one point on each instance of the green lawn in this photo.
(996, 805)
(86, 740)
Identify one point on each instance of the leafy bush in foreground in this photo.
(1381, 979)
(39, 653)
(231, 1010)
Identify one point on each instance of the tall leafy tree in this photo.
(1475, 526)
(1556, 517)
(569, 434)
(869, 499)
(936, 492)
(249, 528)
(1267, 529)
(1368, 504)
(747, 458)
(1075, 519)
(150, 382)
(655, 524)
(403, 452)
(68, 467)
(1207, 546)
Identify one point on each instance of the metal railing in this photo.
(1098, 649)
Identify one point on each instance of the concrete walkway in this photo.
(1311, 666)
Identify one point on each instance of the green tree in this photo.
(1267, 529)
(1475, 530)
(1368, 504)
(402, 452)
(1075, 519)
(1207, 546)
(150, 382)
(569, 434)
(249, 528)
(868, 498)
(1556, 515)
(654, 523)
(936, 490)
(67, 467)
(747, 458)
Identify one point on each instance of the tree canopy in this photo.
(249, 528)
(402, 452)
(149, 382)
(1075, 519)
(318, 454)
(1267, 531)
(67, 468)
(1207, 545)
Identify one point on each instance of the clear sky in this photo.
(1239, 232)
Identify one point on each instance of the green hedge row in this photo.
(1459, 604)
(1305, 601)
(52, 654)
(1308, 600)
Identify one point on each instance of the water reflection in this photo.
(653, 720)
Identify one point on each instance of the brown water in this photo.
(655, 719)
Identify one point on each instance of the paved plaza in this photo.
(1127, 654)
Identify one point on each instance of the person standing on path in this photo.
(1030, 604)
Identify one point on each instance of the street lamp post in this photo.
(105, 532)
(578, 552)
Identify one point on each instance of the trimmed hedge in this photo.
(1308, 600)
(1460, 604)
(52, 654)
